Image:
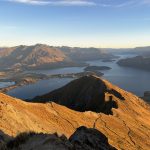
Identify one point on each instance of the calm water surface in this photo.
(39, 88)
(132, 80)
(59, 71)
(6, 84)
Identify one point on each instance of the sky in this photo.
(82, 23)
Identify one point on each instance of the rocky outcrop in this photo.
(82, 139)
(89, 139)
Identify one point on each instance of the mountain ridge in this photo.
(127, 128)
(42, 56)
(30, 56)
(87, 93)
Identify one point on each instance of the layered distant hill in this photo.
(46, 57)
(139, 62)
(126, 127)
(31, 57)
(142, 51)
(139, 51)
(85, 54)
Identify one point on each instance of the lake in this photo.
(132, 80)
(6, 84)
(39, 88)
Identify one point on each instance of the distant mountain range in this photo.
(30, 56)
(46, 57)
(85, 54)
(140, 59)
(139, 62)
(120, 115)
(136, 51)
(143, 51)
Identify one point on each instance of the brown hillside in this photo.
(30, 56)
(128, 127)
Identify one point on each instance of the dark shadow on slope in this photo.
(89, 139)
(83, 139)
(87, 93)
(20, 139)
(116, 94)
(4, 138)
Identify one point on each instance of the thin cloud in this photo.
(33, 2)
(136, 3)
(127, 3)
(74, 2)
(120, 5)
(56, 2)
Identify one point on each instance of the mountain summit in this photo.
(88, 93)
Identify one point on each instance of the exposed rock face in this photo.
(82, 139)
(85, 94)
(90, 139)
(128, 128)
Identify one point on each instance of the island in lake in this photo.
(97, 68)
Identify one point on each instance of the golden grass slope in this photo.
(128, 128)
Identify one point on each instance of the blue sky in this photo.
(84, 23)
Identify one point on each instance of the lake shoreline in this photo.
(37, 77)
